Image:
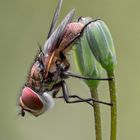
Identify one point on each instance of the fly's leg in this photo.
(74, 96)
(83, 77)
(67, 99)
(89, 21)
(65, 61)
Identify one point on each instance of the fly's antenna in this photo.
(55, 17)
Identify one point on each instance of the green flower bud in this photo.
(86, 62)
(101, 43)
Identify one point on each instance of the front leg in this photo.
(70, 74)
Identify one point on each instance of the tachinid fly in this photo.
(50, 68)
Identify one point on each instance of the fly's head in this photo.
(34, 98)
(35, 103)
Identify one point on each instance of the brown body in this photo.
(40, 78)
(47, 72)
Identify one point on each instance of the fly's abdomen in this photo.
(71, 31)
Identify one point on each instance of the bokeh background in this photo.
(23, 23)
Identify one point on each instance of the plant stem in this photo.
(97, 116)
(113, 99)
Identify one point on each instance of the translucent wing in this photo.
(55, 17)
(54, 40)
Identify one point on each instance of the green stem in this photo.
(97, 116)
(113, 99)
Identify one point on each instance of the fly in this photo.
(51, 67)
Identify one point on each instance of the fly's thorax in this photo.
(35, 77)
(46, 71)
(39, 81)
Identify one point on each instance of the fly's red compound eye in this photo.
(34, 103)
(31, 101)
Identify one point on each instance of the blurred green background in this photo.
(23, 23)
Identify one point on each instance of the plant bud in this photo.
(86, 62)
(101, 43)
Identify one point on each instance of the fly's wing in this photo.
(56, 37)
(55, 17)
